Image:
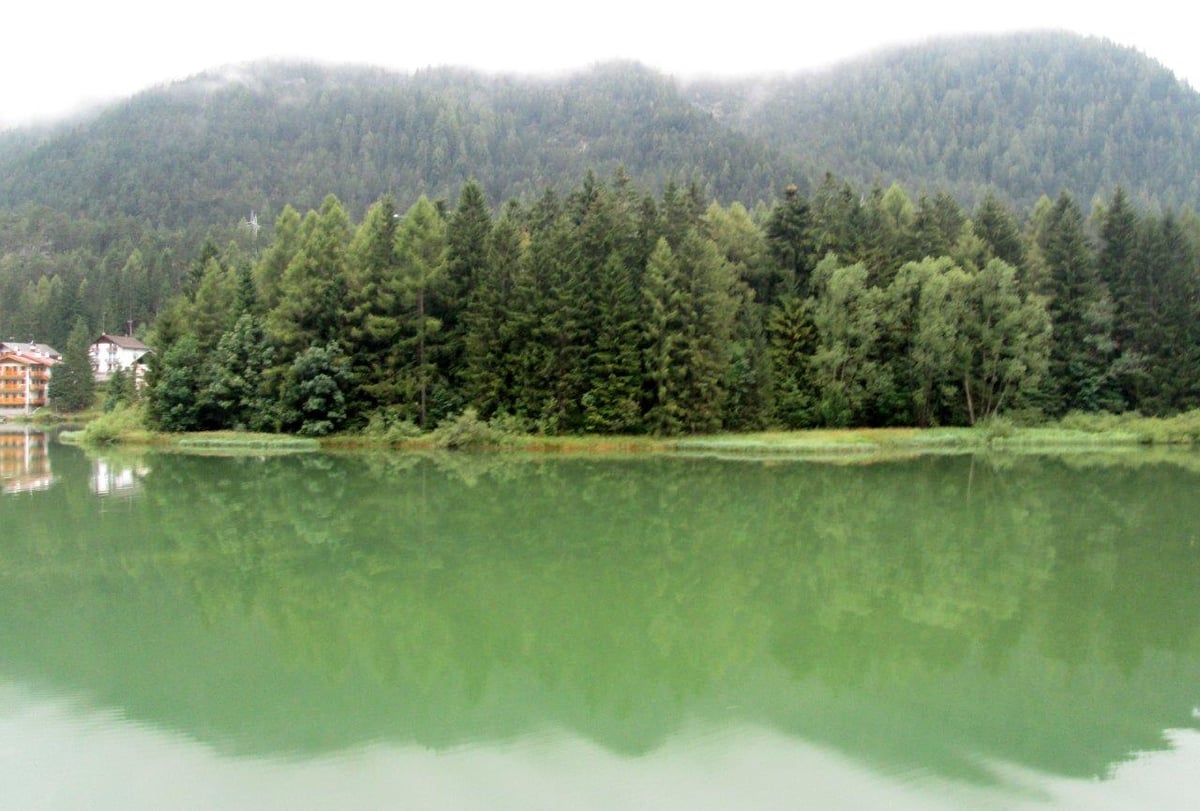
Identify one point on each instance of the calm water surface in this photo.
(386, 631)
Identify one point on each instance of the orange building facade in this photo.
(24, 381)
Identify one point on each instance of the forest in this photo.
(614, 310)
(929, 236)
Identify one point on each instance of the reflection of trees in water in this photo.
(446, 597)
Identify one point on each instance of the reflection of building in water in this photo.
(110, 480)
(24, 461)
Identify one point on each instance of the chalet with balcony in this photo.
(108, 353)
(24, 382)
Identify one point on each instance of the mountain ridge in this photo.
(1032, 114)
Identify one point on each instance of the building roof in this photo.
(32, 349)
(33, 360)
(123, 341)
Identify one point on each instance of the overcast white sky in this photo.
(58, 56)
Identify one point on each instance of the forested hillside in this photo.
(210, 149)
(103, 218)
(752, 229)
(1025, 114)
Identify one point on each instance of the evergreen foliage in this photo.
(629, 300)
(178, 399)
(1026, 114)
(110, 217)
(73, 386)
(1081, 312)
(120, 390)
(563, 321)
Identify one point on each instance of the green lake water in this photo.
(484, 632)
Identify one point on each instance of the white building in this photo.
(108, 353)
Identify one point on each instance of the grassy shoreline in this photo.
(1074, 433)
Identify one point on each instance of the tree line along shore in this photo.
(611, 311)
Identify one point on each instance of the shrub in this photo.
(124, 423)
(510, 424)
(389, 426)
(996, 427)
(466, 431)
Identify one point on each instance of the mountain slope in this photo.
(1028, 114)
(261, 136)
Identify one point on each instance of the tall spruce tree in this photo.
(72, 384)
(792, 337)
(611, 402)
(373, 311)
(421, 252)
(837, 220)
(236, 377)
(995, 224)
(491, 341)
(467, 236)
(1081, 312)
(1118, 263)
(662, 324)
(789, 232)
(1167, 289)
(690, 308)
(268, 274)
(313, 288)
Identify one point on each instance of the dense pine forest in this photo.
(611, 310)
(931, 236)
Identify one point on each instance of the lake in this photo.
(376, 630)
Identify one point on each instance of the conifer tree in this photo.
(373, 310)
(1167, 291)
(177, 395)
(690, 312)
(560, 330)
(120, 390)
(421, 253)
(214, 307)
(313, 287)
(268, 275)
(492, 343)
(1118, 263)
(662, 327)
(72, 384)
(236, 377)
(790, 237)
(937, 226)
(888, 224)
(611, 401)
(995, 224)
(209, 252)
(837, 220)
(1081, 312)
(748, 385)
(792, 337)
(313, 395)
(467, 236)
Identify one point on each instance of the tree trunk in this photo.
(421, 350)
